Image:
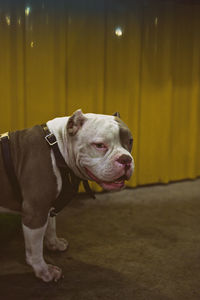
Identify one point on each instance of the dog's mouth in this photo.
(116, 184)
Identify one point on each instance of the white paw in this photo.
(57, 244)
(49, 273)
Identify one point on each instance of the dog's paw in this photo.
(58, 244)
(49, 273)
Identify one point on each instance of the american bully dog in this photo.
(93, 146)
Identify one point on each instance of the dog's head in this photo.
(101, 146)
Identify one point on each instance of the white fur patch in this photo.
(57, 173)
(34, 254)
(34, 246)
(51, 229)
(52, 242)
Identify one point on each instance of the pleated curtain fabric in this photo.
(140, 58)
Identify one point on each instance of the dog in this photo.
(95, 147)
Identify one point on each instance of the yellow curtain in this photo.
(141, 58)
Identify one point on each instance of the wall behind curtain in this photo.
(58, 56)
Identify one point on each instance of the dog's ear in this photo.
(116, 114)
(75, 122)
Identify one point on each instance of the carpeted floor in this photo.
(138, 244)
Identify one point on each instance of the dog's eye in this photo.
(100, 146)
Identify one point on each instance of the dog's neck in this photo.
(58, 127)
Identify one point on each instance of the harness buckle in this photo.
(51, 140)
(53, 212)
(4, 135)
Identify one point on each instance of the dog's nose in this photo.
(125, 160)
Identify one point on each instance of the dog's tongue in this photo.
(112, 185)
(115, 185)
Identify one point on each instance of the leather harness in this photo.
(70, 182)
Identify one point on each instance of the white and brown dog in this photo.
(96, 147)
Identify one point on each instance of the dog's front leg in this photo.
(51, 240)
(34, 254)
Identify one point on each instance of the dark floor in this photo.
(138, 244)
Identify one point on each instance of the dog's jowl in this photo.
(41, 168)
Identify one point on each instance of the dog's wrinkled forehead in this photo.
(111, 127)
(101, 126)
